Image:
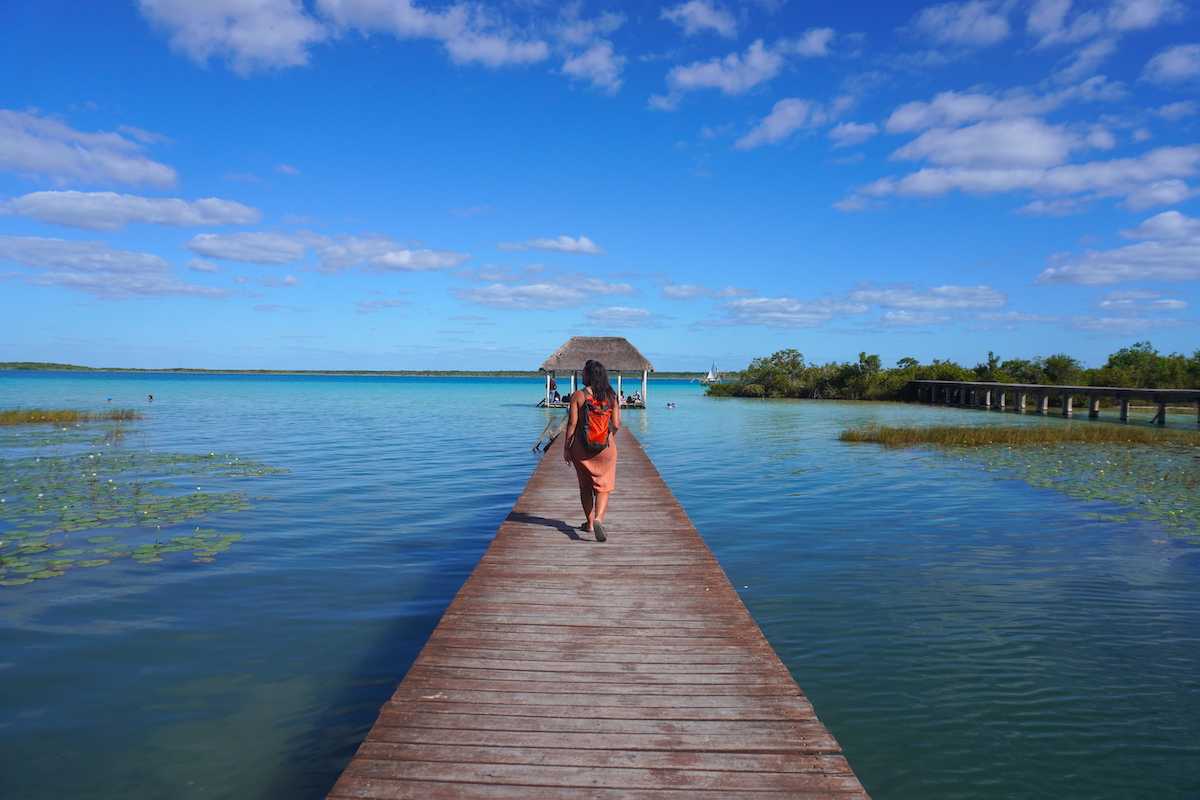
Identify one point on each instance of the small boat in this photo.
(713, 376)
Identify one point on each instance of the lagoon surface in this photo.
(962, 633)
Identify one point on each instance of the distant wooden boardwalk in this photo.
(566, 668)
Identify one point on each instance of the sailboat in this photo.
(713, 376)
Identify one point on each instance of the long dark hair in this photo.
(596, 376)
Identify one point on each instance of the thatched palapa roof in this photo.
(614, 352)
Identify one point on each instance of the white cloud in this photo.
(697, 16)
(1086, 60)
(1053, 208)
(1177, 111)
(286, 281)
(254, 248)
(1122, 177)
(914, 319)
(906, 298)
(785, 312)
(1124, 326)
(849, 133)
(563, 244)
(285, 169)
(1005, 143)
(252, 34)
(597, 64)
(500, 273)
(569, 290)
(373, 253)
(1138, 301)
(1178, 64)
(98, 270)
(1170, 254)
(37, 253)
(1051, 21)
(200, 265)
(373, 306)
(971, 24)
(1169, 226)
(623, 317)
(815, 42)
(109, 211)
(34, 145)
(271, 34)
(693, 291)
(788, 116)
(732, 75)
(469, 32)
(1159, 193)
(951, 109)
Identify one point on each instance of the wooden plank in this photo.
(570, 668)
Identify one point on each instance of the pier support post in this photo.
(1161, 419)
(1093, 406)
(1043, 404)
(986, 397)
(1000, 398)
(1124, 409)
(1019, 402)
(1067, 404)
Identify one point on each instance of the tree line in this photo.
(786, 374)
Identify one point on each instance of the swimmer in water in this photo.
(151, 398)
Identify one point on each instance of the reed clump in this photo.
(975, 436)
(64, 416)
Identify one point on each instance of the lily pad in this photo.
(95, 562)
(16, 581)
(47, 573)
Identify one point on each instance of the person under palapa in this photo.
(592, 420)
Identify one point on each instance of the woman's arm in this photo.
(616, 418)
(572, 421)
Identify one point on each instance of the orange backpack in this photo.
(596, 424)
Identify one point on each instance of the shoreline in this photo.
(417, 373)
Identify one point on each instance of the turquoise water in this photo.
(963, 634)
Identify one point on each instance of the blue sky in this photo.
(380, 184)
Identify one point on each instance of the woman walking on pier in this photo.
(593, 418)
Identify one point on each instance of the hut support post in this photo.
(1124, 409)
(1093, 406)
(644, 403)
(620, 397)
(547, 389)
(1067, 409)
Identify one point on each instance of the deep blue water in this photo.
(962, 634)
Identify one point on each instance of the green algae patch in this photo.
(1158, 483)
(46, 499)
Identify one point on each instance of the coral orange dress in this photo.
(599, 467)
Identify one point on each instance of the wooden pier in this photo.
(993, 396)
(566, 668)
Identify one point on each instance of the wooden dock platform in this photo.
(567, 668)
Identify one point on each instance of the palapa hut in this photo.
(614, 352)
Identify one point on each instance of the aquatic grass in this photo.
(1148, 473)
(46, 498)
(982, 435)
(65, 416)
